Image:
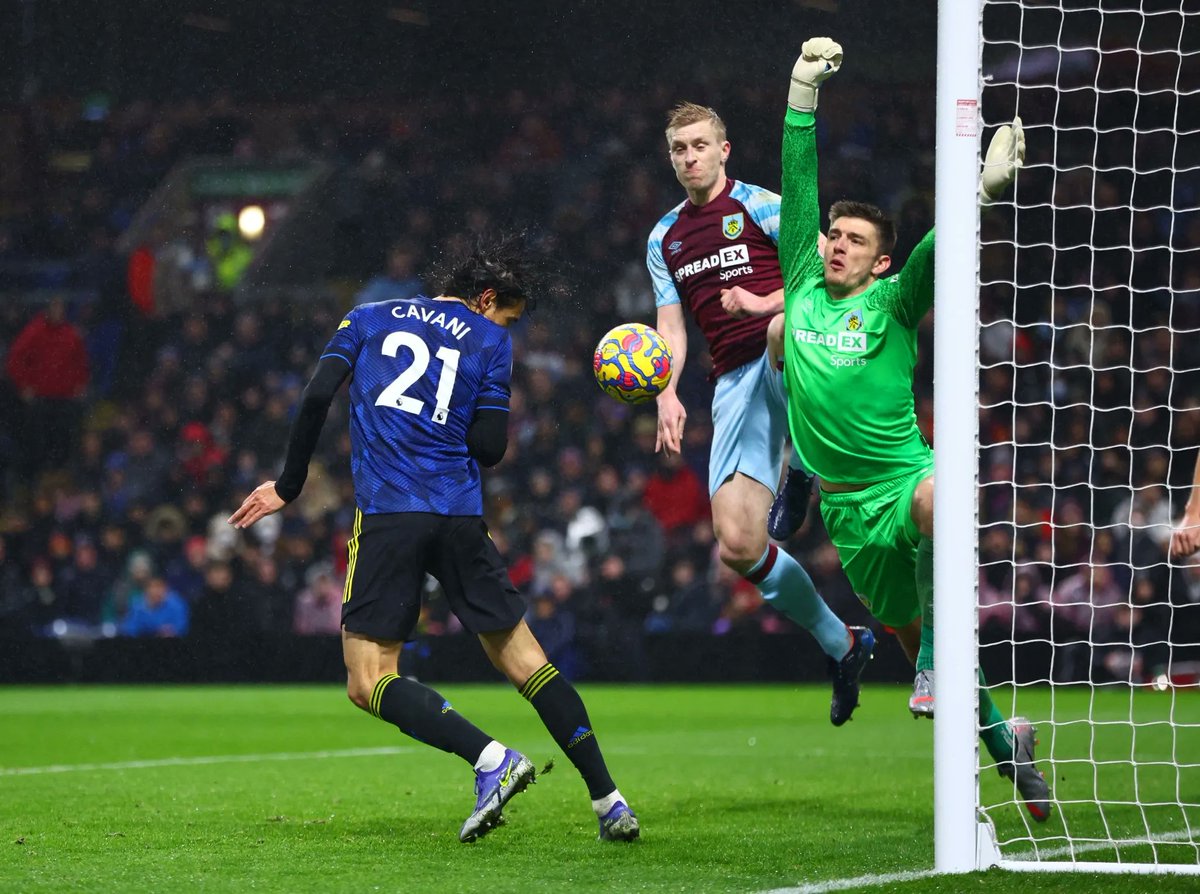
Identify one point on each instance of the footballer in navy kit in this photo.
(429, 393)
(423, 369)
(716, 253)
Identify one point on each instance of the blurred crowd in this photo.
(134, 426)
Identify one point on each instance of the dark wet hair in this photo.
(884, 226)
(502, 262)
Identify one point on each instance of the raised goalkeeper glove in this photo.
(1005, 154)
(819, 58)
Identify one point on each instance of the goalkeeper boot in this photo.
(1030, 782)
(845, 674)
(921, 701)
(493, 790)
(790, 507)
(619, 824)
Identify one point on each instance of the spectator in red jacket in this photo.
(675, 495)
(197, 452)
(48, 367)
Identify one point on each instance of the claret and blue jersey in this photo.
(696, 251)
(421, 369)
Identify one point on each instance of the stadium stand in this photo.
(193, 378)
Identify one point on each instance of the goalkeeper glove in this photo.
(819, 58)
(1006, 153)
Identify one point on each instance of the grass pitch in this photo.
(739, 789)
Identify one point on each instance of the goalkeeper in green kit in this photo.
(848, 340)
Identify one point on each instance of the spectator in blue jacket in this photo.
(159, 611)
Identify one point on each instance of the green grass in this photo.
(739, 789)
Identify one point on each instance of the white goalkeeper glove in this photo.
(820, 58)
(1005, 154)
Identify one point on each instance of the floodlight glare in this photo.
(251, 221)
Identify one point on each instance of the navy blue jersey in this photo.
(420, 370)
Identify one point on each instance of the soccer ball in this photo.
(632, 363)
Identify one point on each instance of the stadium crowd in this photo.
(134, 427)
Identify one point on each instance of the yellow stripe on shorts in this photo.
(353, 557)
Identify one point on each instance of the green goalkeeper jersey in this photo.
(849, 363)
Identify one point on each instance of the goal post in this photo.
(1067, 403)
(956, 836)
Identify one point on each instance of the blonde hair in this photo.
(689, 113)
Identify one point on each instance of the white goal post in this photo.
(1067, 407)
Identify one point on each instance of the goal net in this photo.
(1088, 388)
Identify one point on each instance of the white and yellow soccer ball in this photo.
(632, 363)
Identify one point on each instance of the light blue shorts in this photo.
(749, 415)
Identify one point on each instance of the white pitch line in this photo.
(1183, 835)
(202, 761)
(887, 878)
(862, 881)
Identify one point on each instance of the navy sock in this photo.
(566, 719)
(422, 713)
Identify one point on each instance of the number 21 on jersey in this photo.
(393, 395)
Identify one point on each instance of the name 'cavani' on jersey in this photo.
(420, 370)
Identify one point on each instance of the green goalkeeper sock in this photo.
(996, 734)
(925, 600)
(925, 656)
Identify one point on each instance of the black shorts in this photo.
(390, 554)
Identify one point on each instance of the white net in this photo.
(1089, 394)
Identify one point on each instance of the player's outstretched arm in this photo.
(800, 212)
(1185, 540)
(271, 496)
(1005, 156)
(671, 413)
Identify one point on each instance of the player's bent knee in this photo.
(358, 690)
(737, 544)
(739, 553)
(922, 506)
(728, 554)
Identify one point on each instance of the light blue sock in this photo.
(788, 589)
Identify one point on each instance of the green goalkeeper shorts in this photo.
(876, 539)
